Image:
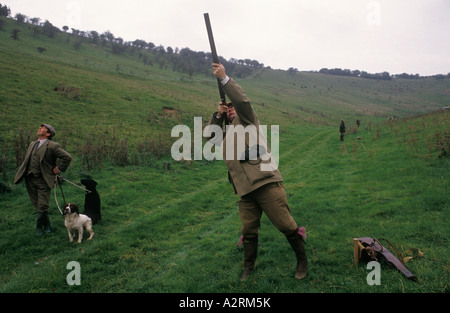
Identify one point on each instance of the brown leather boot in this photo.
(250, 252)
(298, 245)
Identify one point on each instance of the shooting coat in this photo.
(41, 162)
(245, 175)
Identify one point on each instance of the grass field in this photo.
(173, 226)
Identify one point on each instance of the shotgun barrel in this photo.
(214, 55)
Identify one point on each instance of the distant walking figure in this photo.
(342, 130)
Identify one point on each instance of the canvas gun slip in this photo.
(214, 55)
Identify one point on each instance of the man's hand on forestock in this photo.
(219, 70)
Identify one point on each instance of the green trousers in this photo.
(38, 192)
(270, 199)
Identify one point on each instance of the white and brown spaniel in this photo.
(75, 221)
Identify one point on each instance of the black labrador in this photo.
(92, 201)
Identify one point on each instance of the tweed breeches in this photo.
(38, 192)
(270, 199)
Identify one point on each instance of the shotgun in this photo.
(214, 55)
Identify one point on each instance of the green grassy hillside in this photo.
(173, 226)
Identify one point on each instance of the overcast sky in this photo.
(397, 36)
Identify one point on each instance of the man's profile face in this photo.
(43, 132)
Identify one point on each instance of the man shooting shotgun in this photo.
(260, 191)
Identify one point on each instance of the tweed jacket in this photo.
(245, 176)
(49, 153)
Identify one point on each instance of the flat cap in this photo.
(50, 128)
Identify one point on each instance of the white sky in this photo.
(397, 36)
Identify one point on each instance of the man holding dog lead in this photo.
(39, 169)
(259, 190)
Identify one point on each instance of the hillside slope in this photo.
(93, 85)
